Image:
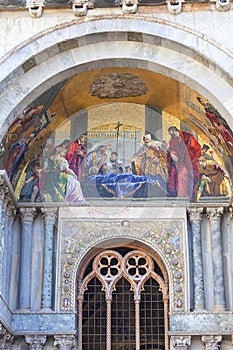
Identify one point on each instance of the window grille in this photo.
(122, 304)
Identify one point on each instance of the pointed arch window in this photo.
(122, 304)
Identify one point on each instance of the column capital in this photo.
(35, 342)
(195, 214)
(180, 342)
(27, 214)
(49, 214)
(231, 212)
(211, 342)
(64, 342)
(6, 338)
(214, 213)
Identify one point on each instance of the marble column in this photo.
(64, 342)
(49, 215)
(35, 342)
(27, 216)
(10, 217)
(3, 193)
(215, 216)
(6, 338)
(180, 342)
(211, 342)
(195, 217)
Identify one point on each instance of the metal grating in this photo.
(123, 317)
(152, 327)
(94, 317)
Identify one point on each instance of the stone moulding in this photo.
(201, 323)
(166, 237)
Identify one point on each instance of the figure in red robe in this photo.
(220, 128)
(183, 152)
(76, 156)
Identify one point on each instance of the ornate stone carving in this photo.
(214, 214)
(49, 214)
(164, 237)
(195, 214)
(180, 342)
(6, 338)
(212, 342)
(35, 342)
(27, 214)
(129, 6)
(64, 342)
(118, 85)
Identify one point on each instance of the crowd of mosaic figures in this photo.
(181, 167)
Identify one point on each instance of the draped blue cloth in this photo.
(124, 185)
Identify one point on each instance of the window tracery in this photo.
(122, 301)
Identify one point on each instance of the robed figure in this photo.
(183, 167)
(76, 156)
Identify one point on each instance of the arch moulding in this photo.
(155, 45)
(167, 239)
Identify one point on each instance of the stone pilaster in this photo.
(35, 342)
(211, 342)
(65, 342)
(215, 216)
(10, 212)
(27, 216)
(3, 194)
(195, 217)
(6, 338)
(180, 342)
(49, 215)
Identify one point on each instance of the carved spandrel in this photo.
(211, 342)
(64, 342)
(35, 342)
(164, 236)
(180, 342)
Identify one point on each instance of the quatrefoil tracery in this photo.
(135, 266)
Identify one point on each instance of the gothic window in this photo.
(122, 303)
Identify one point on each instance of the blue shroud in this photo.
(124, 185)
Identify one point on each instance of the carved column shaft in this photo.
(215, 215)
(49, 219)
(195, 216)
(27, 215)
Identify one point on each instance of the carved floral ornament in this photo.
(6, 338)
(118, 85)
(165, 238)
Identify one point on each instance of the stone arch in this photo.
(160, 46)
(164, 240)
